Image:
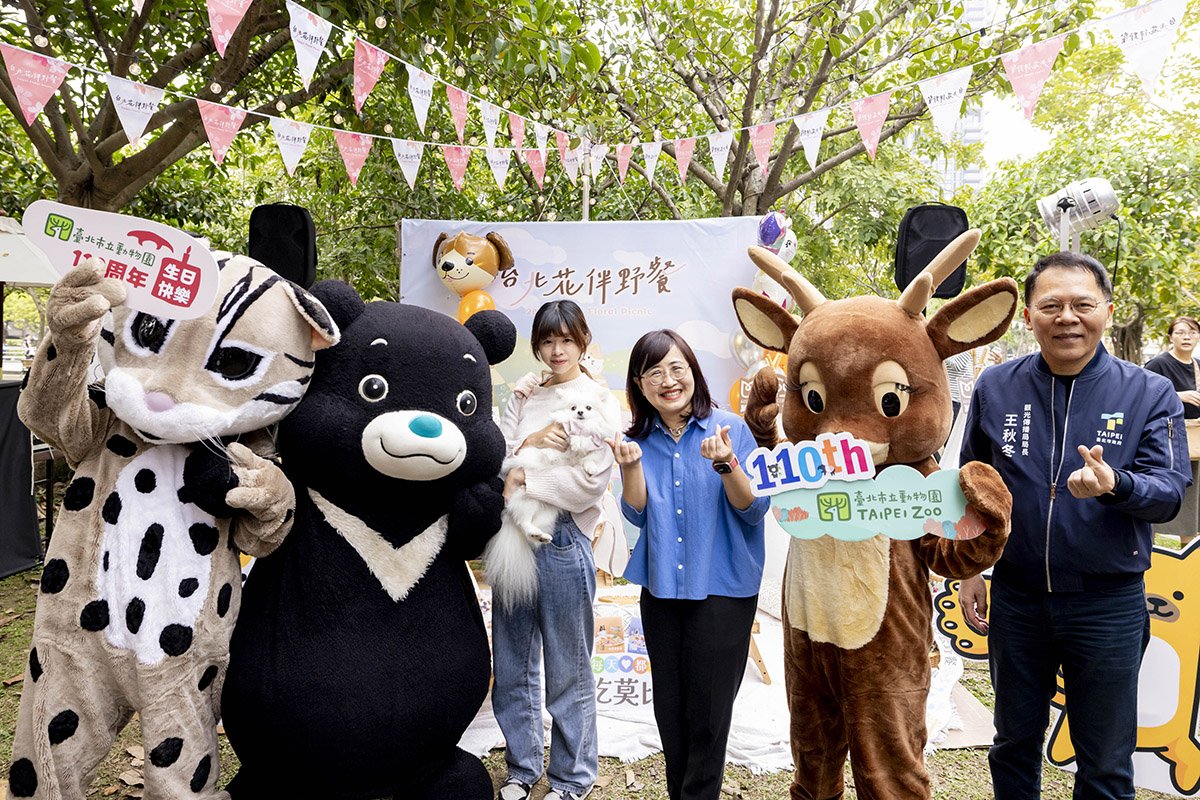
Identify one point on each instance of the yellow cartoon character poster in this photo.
(1167, 758)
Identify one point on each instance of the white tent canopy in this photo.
(22, 264)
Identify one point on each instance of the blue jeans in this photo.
(1097, 637)
(560, 624)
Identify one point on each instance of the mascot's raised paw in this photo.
(762, 407)
(79, 301)
(265, 492)
(986, 494)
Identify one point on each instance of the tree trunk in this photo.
(1127, 337)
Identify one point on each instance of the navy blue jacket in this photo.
(1018, 416)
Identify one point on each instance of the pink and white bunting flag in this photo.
(516, 131)
(762, 137)
(810, 128)
(135, 104)
(944, 95)
(34, 77)
(869, 115)
(624, 153)
(536, 159)
(224, 16)
(309, 35)
(1146, 35)
(599, 153)
(420, 92)
(563, 140)
(369, 62)
(571, 161)
(408, 156)
(490, 114)
(457, 157)
(137, 6)
(683, 156)
(221, 123)
(499, 159)
(1028, 68)
(458, 109)
(718, 147)
(541, 134)
(650, 153)
(292, 139)
(354, 148)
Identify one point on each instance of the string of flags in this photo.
(1144, 33)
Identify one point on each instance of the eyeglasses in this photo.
(657, 376)
(1054, 308)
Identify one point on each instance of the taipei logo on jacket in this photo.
(1110, 428)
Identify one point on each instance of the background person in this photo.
(1093, 450)
(558, 627)
(699, 558)
(1178, 365)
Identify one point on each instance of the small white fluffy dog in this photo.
(527, 523)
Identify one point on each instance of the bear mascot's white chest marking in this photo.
(397, 568)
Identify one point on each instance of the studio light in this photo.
(1078, 206)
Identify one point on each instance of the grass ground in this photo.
(956, 774)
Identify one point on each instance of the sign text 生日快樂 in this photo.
(899, 502)
(166, 272)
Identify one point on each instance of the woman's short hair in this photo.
(1189, 321)
(557, 317)
(648, 351)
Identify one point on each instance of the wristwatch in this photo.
(725, 467)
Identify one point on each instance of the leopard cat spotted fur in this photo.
(142, 581)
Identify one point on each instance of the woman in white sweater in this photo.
(557, 627)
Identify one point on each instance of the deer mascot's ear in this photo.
(765, 322)
(974, 318)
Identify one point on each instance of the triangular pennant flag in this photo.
(811, 127)
(458, 109)
(420, 92)
(762, 137)
(718, 147)
(491, 121)
(624, 153)
(499, 159)
(457, 157)
(408, 156)
(683, 156)
(944, 95)
(137, 6)
(223, 18)
(1146, 35)
(369, 62)
(34, 77)
(1028, 68)
(536, 159)
(540, 135)
(599, 153)
(221, 123)
(516, 131)
(869, 115)
(571, 161)
(562, 139)
(135, 104)
(309, 35)
(292, 138)
(650, 153)
(354, 148)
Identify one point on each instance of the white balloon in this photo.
(771, 289)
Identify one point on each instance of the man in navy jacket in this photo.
(1094, 452)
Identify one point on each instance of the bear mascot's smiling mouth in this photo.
(413, 445)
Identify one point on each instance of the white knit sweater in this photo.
(572, 489)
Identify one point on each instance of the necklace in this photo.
(676, 432)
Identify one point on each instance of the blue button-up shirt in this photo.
(694, 543)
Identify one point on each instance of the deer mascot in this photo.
(857, 615)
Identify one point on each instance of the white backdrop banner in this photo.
(628, 277)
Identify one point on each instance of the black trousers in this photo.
(698, 651)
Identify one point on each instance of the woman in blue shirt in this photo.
(699, 558)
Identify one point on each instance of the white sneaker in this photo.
(514, 789)
(555, 794)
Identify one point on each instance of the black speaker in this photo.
(924, 231)
(284, 238)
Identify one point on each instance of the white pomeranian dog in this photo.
(527, 523)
